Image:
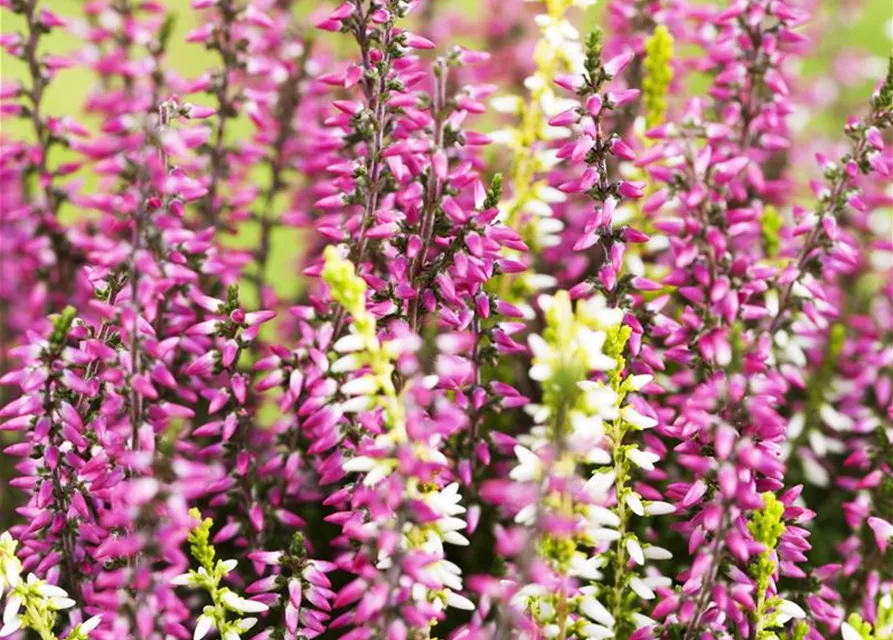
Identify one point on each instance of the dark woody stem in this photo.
(375, 89)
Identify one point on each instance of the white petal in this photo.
(362, 386)
(90, 623)
(634, 502)
(51, 591)
(13, 604)
(242, 605)
(10, 627)
(642, 459)
(637, 382)
(635, 551)
(597, 632)
(598, 485)
(540, 372)
(204, 625)
(791, 609)
(61, 603)
(597, 611)
(456, 538)
(349, 343)
(602, 516)
(657, 553)
(360, 463)
(846, 631)
(637, 419)
(246, 624)
(183, 580)
(459, 602)
(642, 590)
(658, 508)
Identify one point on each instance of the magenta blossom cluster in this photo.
(579, 335)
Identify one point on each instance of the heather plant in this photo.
(377, 320)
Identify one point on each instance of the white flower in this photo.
(849, 633)
(788, 610)
(205, 623)
(596, 308)
(653, 552)
(358, 464)
(658, 508)
(598, 485)
(635, 551)
(362, 386)
(835, 419)
(643, 459)
(350, 362)
(356, 404)
(449, 529)
(10, 627)
(527, 515)
(61, 603)
(598, 456)
(643, 621)
(458, 601)
(529, 466)
(90, 623)
(638, 382)
(349, 343)
(587, 427)
(187, 579)
(597, 631)
(594, 609)
(246, 624)
(592, 342)
(602, 516)
(11, 612)
(506, 104)
(634, 502)
(51, 591)
(447, 501)
(641, 589)
(241, 605)
(382, 468)
(602, 534)
(637, 419)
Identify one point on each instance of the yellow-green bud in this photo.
(658, 75)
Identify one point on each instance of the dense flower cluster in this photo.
(392, 324)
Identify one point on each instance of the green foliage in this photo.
(61, 326)
(199, 541)
(658, 75)
(32, 603)
(767, 526)
(883, 100)
(348, 289)
(225, 611)
(771, 223)
(861, 627)
(494, 193)
(595, 75)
